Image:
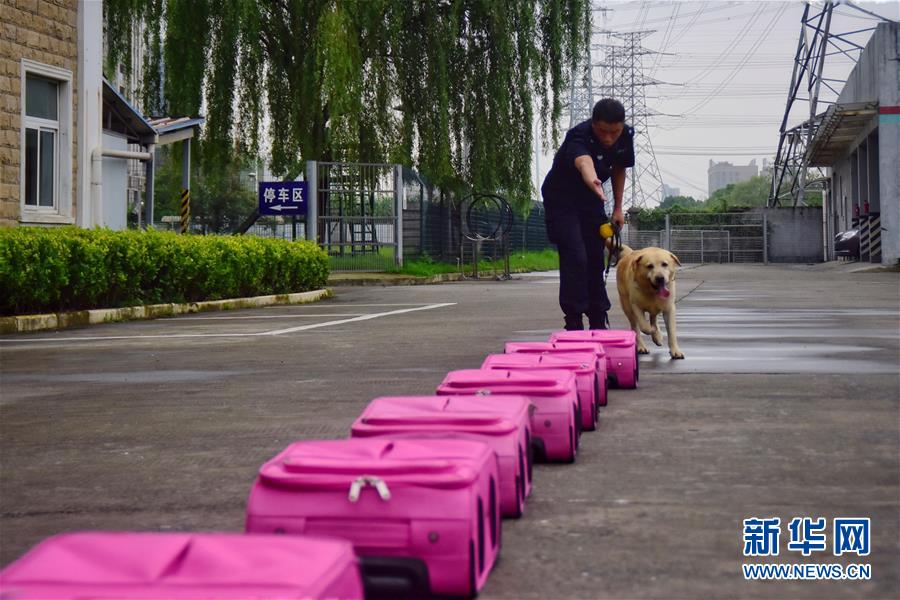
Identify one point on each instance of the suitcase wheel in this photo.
(473, 581)
(574, 439)
(520, 497)
(529, 456)
(539, 452)
(388, 577)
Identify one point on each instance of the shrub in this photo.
(68, 268)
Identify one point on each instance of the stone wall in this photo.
(44, 31)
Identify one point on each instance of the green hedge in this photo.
(49, 270)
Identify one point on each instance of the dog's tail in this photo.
(625, 250)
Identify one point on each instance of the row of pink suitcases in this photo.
(409, 506)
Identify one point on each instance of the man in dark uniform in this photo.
(593, 151)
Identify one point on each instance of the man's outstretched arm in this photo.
(618, 185)
(585, 166)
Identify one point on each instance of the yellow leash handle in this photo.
(606, 231)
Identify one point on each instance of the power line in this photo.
(666, 38)
(759, 41)
(685, 181)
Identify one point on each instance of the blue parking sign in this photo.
(282, 198)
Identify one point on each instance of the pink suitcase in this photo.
(189, 566)
(621, 352)
(504, 424)
(567, 348)
(583, 365)
(555, 422)
(405, 504)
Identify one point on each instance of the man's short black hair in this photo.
(609, 110)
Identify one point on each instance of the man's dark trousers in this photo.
(581, 286)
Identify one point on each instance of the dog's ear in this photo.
(675, 258)
(636, 262)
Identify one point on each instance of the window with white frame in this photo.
(46, 158)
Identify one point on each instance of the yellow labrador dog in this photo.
(646, 282)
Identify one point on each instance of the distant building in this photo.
(668, 192)
(723, 174)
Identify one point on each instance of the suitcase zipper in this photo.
(376, 482)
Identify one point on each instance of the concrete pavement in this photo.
(786, 405)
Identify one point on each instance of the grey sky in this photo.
(734, 60)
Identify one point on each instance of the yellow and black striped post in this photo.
(875, 237)
(185, 209)
(864, 238)
(185, 184)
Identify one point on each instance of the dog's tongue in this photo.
(663, 292)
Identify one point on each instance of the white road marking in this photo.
(354, 319)
(333, 305)
(310, 316)
(365, 317)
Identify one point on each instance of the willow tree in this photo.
(448, 86)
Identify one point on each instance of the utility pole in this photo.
(619, 74)
(626, 81)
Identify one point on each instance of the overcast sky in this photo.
(726, 80)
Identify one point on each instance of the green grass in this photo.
(383, 261)
(519, 262)
(545, 260)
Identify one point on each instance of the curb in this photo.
(83, 318)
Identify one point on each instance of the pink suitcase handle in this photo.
(450, 419)
(555, 362)
(532, 383)
(456, 477)
(325, 465)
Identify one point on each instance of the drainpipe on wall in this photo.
(148, 191)
(97, 187)
(825, 237)
(89, 106)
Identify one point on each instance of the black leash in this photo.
(615, 250)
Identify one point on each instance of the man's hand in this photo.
(598, 189)
(618, 217)
(589, 176)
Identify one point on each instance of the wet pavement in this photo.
(786, 405)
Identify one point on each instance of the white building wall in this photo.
(115, 183)
(875, 78)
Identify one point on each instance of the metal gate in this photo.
(355, 214)
(701, 245)
(717, 237)
(709, 237)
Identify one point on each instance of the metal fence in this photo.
(642, 239)
(708, 237)
(363, 225)
(278, 227)
(355, 210)
(433, 225)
